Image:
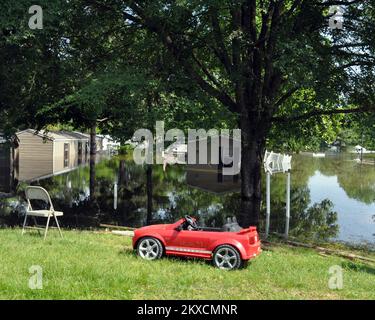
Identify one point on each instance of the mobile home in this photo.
(40, 154)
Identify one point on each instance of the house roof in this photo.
(56, 135)
(75, 135)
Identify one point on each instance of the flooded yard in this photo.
(332, 198)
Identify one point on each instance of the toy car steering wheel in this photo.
(191, 222)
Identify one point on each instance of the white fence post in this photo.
(115, 196)
(287, 220)
(268, 203)
(277, 163)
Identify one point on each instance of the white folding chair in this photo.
(39, 193)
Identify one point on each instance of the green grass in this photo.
(88, 265)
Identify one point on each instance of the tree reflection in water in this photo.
(172, 197)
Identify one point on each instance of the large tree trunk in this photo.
(253, 146)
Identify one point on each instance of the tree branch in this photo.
(316, 113)
(218, 36)
(271, 80)
(206, 72)
(249, 18)
(357, 63)
(293, 7)
(219, 95)
(286, 96)
(185, 58)
(340, 3)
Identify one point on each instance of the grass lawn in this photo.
(88, 265)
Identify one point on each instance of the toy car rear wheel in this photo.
(227, 257)
(149, 248)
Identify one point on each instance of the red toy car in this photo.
(228, 249)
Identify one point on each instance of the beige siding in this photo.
(58, 159)
(59, 155)
(35, 156)
(73, 162)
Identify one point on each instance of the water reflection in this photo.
(6, 165)
(211, 179)
(331, 198)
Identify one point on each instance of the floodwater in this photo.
(332, 198)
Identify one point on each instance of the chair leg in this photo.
(47, 225)
(24, 224)
(58, 226)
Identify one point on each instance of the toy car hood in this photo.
(154, 227)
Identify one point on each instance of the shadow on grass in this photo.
(52, 234)
(358, 267)
(130, 252)
(33, 234)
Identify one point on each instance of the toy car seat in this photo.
(231, 225)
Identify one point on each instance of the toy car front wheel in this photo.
(227, 257)
(149, 248)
